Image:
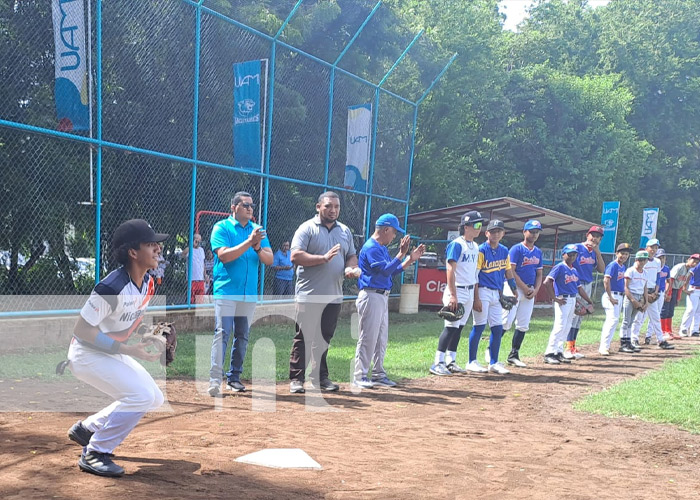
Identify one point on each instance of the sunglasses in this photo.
(248, 205)
(477, 225)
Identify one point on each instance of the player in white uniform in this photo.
(462, 283)
(653, 311)
(99, 355)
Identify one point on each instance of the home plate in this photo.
(281, 458)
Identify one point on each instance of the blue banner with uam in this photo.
(609, 221)
(247, 151)
(71, 87)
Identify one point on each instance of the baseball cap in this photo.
(570, 248)
(532, 224)
(136, 231)
(695, 256)
(624, 247)
(653, 242)
(596, 229)
(496, 224)
(471, 217)
(642, 254)
(660, 252)
(389, 220)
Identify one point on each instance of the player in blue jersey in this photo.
(527, 261)
(494, 268)
(462, 286)
(563, 284)
(587, 261)
(100, 356)
(614, 284)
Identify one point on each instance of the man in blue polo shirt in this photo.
(239, 245)
(284, 271)
(563, 284)
(375, 283)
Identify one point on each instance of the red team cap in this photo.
(695, 256)
(596, 229)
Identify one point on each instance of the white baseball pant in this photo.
(124, 379)
(691, 316)
(491, 309)
(612, 319)
(563, 315)
(465, 297)
(653, 313)
(520, 314)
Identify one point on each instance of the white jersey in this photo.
(198, 264)
(116, 305)
(466, 255)
(651, 271)
(637, 281)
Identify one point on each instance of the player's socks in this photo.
(573, 333)
(454, 340)
(451, 356)
(495, 342)
(439, 357)
(518, 337)
(474, 338)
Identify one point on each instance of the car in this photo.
(428, 259)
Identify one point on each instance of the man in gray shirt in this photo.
(324, 252)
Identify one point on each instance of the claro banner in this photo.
(432, 283)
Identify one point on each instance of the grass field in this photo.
(668, 395)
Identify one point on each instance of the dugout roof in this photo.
(514, 213)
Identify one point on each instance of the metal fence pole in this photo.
(195, 129)
(98, 165)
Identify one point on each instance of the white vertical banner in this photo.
(71, 87)
(650, 221)
(358, 147)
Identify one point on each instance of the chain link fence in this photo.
(160, 143)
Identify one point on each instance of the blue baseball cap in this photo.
(389, 220)
(532, 224)
(570, 248)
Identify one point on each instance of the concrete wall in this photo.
(47, 333)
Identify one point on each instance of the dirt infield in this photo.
(459, 437)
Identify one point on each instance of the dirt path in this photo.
(460, 437)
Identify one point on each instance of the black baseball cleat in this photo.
(561, 358)
(80, 434)
(626, 347)
(666, 345)
(99, 464)
(551, 359)
(326, 385)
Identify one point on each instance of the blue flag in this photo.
(608, 219)
(246, 115)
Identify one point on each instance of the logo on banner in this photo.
(609, 220)
(71, 87)
(247, 146)
(246, 108)
(650, 220)
(359, 140)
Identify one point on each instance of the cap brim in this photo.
(158, 238)
(402, 231)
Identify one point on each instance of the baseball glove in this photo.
(507, 302)
(163, 336)
(642, 302)
(582, 308)
(653, 297)
(448, 314)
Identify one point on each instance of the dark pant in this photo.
(283, 287)
(669, 308)
(315, 326)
